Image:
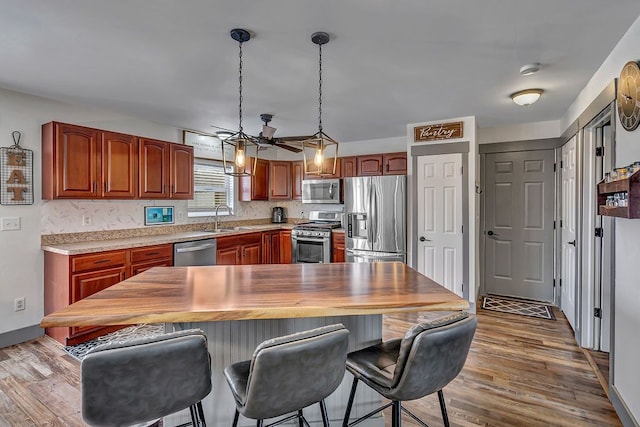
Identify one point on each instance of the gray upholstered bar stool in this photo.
(144, 379)
(429, 357)
(289, 373)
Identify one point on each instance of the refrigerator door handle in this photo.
(374, 220)
(370, 215)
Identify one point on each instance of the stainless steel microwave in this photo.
(321, 191)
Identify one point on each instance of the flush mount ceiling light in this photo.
(320, 143)
(526, 97)
(529, 69)
(240, 141)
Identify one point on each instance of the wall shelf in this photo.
(631, 186)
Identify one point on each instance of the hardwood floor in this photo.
(521, 371)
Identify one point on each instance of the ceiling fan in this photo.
(291, 143)
(265, 138)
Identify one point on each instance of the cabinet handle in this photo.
(95, 186)
(106, 186)
(102, 261)
(387, 167)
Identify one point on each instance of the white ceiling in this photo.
(388, 63)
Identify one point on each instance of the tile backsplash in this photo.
(76, 216)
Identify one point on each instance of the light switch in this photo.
(10, 223)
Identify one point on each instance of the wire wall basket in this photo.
(16, 173)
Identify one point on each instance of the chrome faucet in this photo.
(218, 208)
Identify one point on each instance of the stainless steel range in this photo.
(311, 242)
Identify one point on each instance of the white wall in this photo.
(626, 375)
(520, 132)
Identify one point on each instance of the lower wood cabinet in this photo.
(285, 247)
(71, 278)
(241, 249)
(271, 247)
(337, 239)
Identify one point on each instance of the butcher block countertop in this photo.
(243, 292)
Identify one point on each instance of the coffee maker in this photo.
(277, 215)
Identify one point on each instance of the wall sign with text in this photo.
(438, 131)
(16, 174)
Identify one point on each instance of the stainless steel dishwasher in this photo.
(197, 252)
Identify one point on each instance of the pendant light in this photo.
(320, 144)
(240, 141)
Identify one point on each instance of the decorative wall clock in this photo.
(629, 96)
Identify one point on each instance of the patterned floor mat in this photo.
(515, 306)
(137, 331)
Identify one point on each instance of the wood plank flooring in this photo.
(521, 371)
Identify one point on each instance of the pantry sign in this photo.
(16, 174)
(437, 132)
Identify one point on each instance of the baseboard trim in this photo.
(621, 408)
(20, 335)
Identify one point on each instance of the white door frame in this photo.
(569, 230)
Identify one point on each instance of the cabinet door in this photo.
(251, 253)
(297, 173)
(338, 247)
(370, 165)
(181, 166)
(144, 266)
(395, 163)
(349, 168)
(279, 180)
(119, 165)
(228, 256)
(85, 284)
(256, 186)
(77, 162)
(154, 169)
(285, 247)
(271, 247)
(327, 167)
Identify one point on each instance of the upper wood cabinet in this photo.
(394, 163)
(280, 182)
(328, 166)
(297, 174)
(85, 163)
(70, 162)
(349, 166)
(369, 165)
(256, 186)
(119, 165)
(382, 164)
(166, 170)
(181, 171)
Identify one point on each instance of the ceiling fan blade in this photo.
(299, 138)
(290, 148)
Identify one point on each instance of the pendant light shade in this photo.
(240, 141)
(320, 152)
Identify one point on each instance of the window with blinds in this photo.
(211, 187)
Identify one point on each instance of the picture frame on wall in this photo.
(206, 146)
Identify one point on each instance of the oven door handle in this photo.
(310, 239)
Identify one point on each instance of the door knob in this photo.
(573, 243)
(422, 239)
(490, 233)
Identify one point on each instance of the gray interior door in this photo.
(519, 207)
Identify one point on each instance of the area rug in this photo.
(517, 306)
(136, 331)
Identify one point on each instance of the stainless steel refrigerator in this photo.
(375, 218)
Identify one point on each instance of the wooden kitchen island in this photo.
(240, 306)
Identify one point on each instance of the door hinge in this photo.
(599, 232)
(554, 225)
(560, 223)
(462, 229)
(597, 312)
(560, 282)
(599, 151)
(554, 167)
(461, 170)
(561, 164)
(554, 283)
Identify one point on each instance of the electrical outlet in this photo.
(10, 223)
(86, 220)
(19, 304)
